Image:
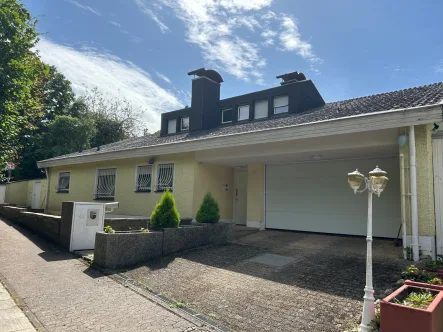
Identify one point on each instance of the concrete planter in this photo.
(183, 238)
(129, 248)
(400, 318)
(125, 249)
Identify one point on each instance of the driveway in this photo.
(316, 286)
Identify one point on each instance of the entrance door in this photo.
(35, 203)
(240, 196)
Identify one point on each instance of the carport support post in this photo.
(368, 299)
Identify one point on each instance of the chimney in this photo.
(289, 78)
(205, 98)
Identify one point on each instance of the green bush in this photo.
(209, 211)
(165, 214)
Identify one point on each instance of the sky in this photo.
(142, 50)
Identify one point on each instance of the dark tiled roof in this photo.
(419, 96)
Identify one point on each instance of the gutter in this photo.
(356, 123)
(414, 205)
(48, 185)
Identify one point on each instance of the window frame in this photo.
(175, 128)
(96, 182)
(238, 112)
(181, 123)
(136, 179)
(275, 108)
(224, 110)
(267, 108)
(58, 191)
(157, 173)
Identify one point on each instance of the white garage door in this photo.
(315, 197)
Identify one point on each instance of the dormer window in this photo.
(261, 109)
(172, 126)
(243, 113)
(281, 104)
(227, 115)
(184, 125)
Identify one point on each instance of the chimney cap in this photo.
(209, 73)
(294, 76)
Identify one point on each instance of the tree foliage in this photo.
(165, 214)
(21, 76)
(209, 211)
(67, 134)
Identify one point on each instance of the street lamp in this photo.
(375, 185)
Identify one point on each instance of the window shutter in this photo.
(172, 126)
(261, 109)
(281, 101)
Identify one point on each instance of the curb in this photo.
(22, 305)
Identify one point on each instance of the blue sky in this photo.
(142, 49)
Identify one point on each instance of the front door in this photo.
(35, 203)
(240, 196)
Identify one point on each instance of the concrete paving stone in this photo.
(66, 295)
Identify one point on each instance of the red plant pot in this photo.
(440, 273)
(400, 318)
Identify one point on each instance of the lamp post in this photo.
(375, 185)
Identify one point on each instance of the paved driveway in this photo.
(317, 290)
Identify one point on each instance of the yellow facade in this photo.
(219, 181)
(425, 186)
(20, 193)
(256, 193)
(191, 182)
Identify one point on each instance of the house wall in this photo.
(134, 203)
(30, 189)
(256, 196)
(425, 187)
(212, 178)
(16, 193)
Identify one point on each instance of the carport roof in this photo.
(407, 98)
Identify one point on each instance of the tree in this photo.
(66, 135)
(208, 211)
(165, 213)
(21, 73)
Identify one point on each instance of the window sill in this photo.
(143, 191)
(104, 198)
(162, 190)
(62, 192)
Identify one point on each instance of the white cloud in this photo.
(268, 35)
(88, 68)
(118, 25)
(163, 77)
(438, 68)
(291, 41)
(147, 11)
(79, 5)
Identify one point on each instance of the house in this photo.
(276, 158)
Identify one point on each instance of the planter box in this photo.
(183, 238)
(125, 249)
(399, 318)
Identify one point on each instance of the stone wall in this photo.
(45, 225)
(124, 249)
(121, 224)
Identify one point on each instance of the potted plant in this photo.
(413, 307)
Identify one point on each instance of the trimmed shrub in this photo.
(165, 214)
(208, 211)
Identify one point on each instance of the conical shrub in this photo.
(208, 211)
(165, 214)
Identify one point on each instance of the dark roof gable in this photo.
(413, 97)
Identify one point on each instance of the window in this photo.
(243, 113)
(105, 184)
(165, 177)
(172, 126)
(143, 178)
(261, 109)
(227, 115)
(184, 124)
(281, 104)
(64, 179)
